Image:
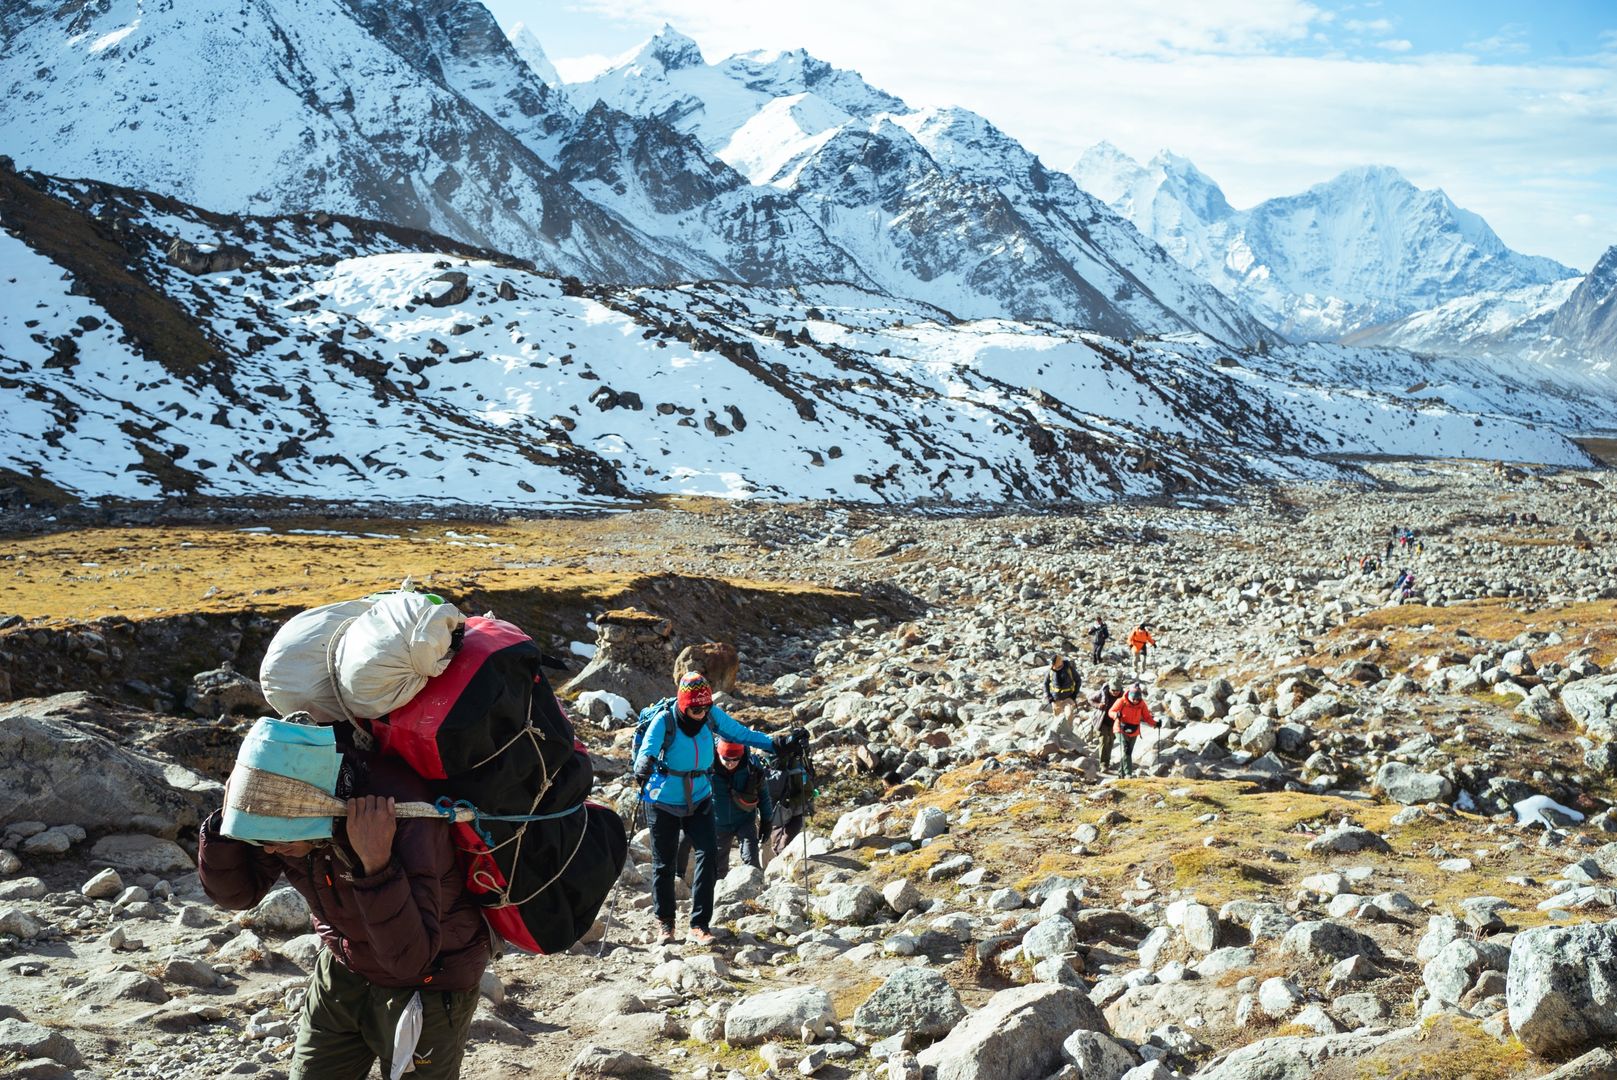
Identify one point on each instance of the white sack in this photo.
(387, 655)
(296, 675)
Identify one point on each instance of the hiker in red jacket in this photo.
(1128, 713)
(404, 944)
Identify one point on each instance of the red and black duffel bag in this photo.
(491, 735)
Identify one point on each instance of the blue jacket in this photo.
(682, 794)
(726, 814)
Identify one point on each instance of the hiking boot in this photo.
(701, 935)
(666, 935)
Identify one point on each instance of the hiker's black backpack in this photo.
(791, 784)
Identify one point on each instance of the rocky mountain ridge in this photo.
(324, 354)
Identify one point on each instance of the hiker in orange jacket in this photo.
(1140, 640)
(1128, 713)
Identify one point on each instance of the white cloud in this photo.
(582, 68)
(1527, 146)
(1374, 26)
(1396, 45)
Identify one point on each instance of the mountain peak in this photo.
(1107, 173)
(532, 53)
(670, 49)
(1378, 175)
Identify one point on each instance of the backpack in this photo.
(793, 779)
(643, 724)
(751, 790)
(490, 736)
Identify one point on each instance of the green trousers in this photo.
(347, 1023)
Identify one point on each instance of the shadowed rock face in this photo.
(57, 769)
(634, 653)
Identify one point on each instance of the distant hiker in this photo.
(1140, 640)
(1127, 715)
(1103, 697)
(673, 762)
(1510, 519)
(1098, 636)
(1420, 547)
(740, 804)
(1389, 550)
(399, 932)
(1061, 684)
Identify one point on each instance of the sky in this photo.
(1509, 107)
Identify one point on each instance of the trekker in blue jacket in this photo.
(675, 759)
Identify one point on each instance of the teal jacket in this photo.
(726, 814)
(679, 782)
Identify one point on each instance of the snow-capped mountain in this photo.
(1363, 249)
(1505, 323)
(774, 170)
(937, 205)
(1584, 330)
(411, 111)
(533, 54)
(151, 348)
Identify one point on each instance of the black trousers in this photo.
(666, 831)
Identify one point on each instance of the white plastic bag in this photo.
(406, 1037)
(296, 673)
(386, 655)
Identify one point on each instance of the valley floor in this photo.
(1334, 754)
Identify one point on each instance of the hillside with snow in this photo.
(1364, 249)
(334, 358)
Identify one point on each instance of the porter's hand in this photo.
(371, 825)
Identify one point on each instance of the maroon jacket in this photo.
(413, 924)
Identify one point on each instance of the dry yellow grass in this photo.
(143, 572)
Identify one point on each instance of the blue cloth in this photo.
(302, 751)
(687, 754)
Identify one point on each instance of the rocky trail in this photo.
(1373, 838)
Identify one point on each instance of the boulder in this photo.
(283, 910)
(1017, 1035)
(917, 999)
(1291, 1057)
(1408, 785)
(225, 691)
(32, 1041)
(901, 895)
(929, 822)
(848, 904)
(142, 854)
(1561, 987)
(59, 771)
(599, 1061)
(1593, 704)
(1197, 1004)
(1054, 936)
(1454, 969)
(1345, 840)
(1328, 941)
(1097, 1056)
(445, 290)
(778, 1014)
(717, 660)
